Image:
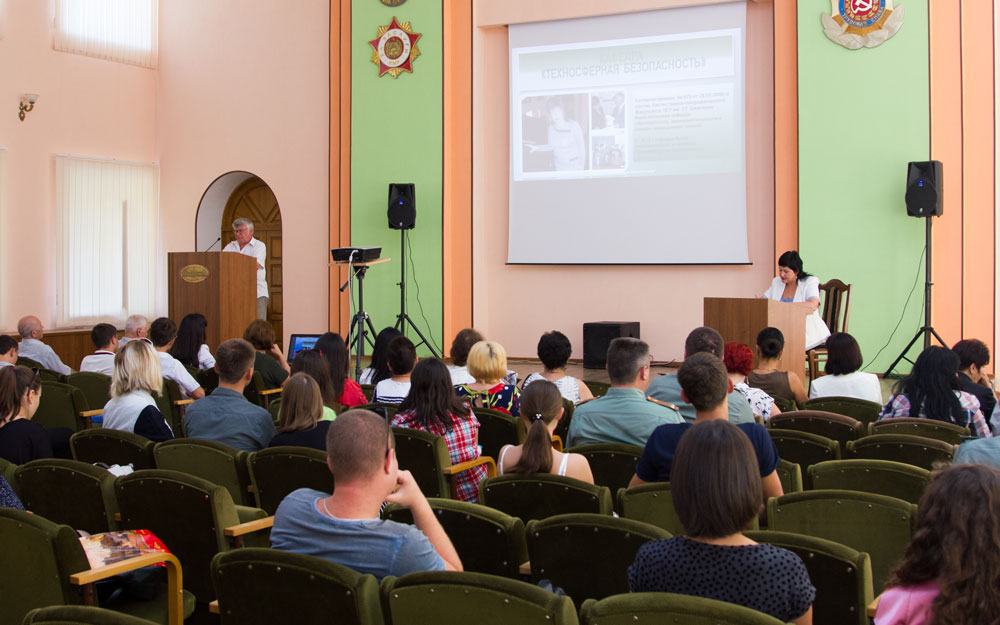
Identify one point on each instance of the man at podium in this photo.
(247, 245)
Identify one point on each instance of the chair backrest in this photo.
(60, 406)
(28, 362)
(784, 404)
(252, 390)
(612, 464)
(836, 305)
(653, 504)
(208, 379)
(804, 449)
(597, 389)
(69, 492)
(878, 525)
(8, 470)
(838, 427)
(265, 586)
(165, 402)
(383, 410)
(96, 387)
(842, 576)
(277, 471)
(275, 409)
(112, 447)
(487, 540)
(861, 409)
(882, 477)
(425, 455)
(209, 460)
(790, 475)
(80, 615)
(915, 450)
(540, 496)
(665, 607)
(451, 598)
(497, 429)
(562, 428)
(563, 549)
(916, 426)
(368, 390)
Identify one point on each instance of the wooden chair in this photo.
(69, 492)
(426, 456)
(96, 387)
(836, 314)
(112, 447)
(497, 429)
(277, 471)
(208, 460)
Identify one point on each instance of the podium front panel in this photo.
(739, 320)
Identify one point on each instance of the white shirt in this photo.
(258, 250)
(205, 358)
(126, 339)
(859, 385)
(460, 375)
(389, 392)
(42, 354)
(122, 412)
(99, 362)
(174, 370)
(4, 363)
(569, 387)
(805, 290)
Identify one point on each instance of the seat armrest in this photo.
(87, 414)
(873, 607)
(557, 443)
(236, 532)
(183, 402)
(213, 607)
(175, 597)
(269, 391)
(491, 466)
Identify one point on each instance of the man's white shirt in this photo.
(100, 361)
(258, 250)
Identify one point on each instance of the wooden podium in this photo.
(221, 286)
(739, 320)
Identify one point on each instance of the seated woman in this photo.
(132, 408)
(401, 357)
(541, 410)
(378, 370)
(949, 571)
(311, 362)
(8, 498)
(270, 360)
(301, 411)
(716, 491)
(459, 353)
(932, 391)
(842, 377)
(21, 439)
(488, 364)
(767, 377)
(189, 346)
(794, 285)
(432, 406)
(347, 392)
(739, 361)
(554, 350)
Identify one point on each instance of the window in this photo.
(117, 30)
(107, 223)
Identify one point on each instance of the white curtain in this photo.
(118, 30)
(107, 216)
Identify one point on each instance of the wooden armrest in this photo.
(249, 527)
(213, 607)
(525, 569)
(87, 414)
(557, 443)
(491, 466)
(118, 516)
(183, 402)
(270, 391)
(175, 596)
(873, 607)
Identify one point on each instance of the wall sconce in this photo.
(30, 98)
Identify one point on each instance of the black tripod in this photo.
(361, 323)
(402, 319)
(927, 330)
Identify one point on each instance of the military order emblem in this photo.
(395, 48)
(862, 23)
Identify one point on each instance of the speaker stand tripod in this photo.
(403, 319)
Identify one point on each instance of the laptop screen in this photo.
(299, 342)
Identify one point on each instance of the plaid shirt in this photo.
(462, 447)
(899, 406)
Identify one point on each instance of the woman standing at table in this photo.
(794, 285)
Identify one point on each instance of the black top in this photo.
(23, 440)
(151, 424)
(658, 455)
(765, 578)
(8, 498)
(270, 370)
(315, 437)
(987, 401)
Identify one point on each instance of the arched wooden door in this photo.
(254, 200)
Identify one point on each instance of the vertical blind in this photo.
(117, 30)
(108, 220)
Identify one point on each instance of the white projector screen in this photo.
(627, 139)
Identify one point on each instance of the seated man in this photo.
(623, 414)
(973, 356)
(979, 451)
(401, 356)
(162, 333)
(104, 336)
(8, 351)
(136, 327)
(31, 331)
(667, 388)
(705, 384)
(345, 527)
(226, 416)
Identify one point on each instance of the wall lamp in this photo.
(23, 108)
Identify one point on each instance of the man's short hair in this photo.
(707, 340)
(7, 343)
(972, 352)
(243, 221)
(401, 355)
(134, 322)
(233, 358)
(101, 334)
(162, 331)
(26, 326)
(357, 445)
(704, 380)
(626, 357)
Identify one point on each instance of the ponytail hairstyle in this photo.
(793, 261)
(770, 342)
(15, 383)
(541, 404)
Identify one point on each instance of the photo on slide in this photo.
(553, 139)
(608, 133)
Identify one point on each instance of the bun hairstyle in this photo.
(770, 342)
(541, 404)
(793, 261)
(15, 382)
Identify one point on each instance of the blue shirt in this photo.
(229, 418)
(371, 546)
(980, 451)
(654, 465)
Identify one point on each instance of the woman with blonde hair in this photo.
(136, 377)
(301, 414)
(487, 363)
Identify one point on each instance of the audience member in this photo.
(378, 370)
(21, 439)
(487, 363)
(932, 391)
(270, 360)
(767, 377)
(554, 350)
(136, 375)
(716, 493)
(541, 410)
(949, 571)
(104, 336)
(162, 333)
(459, 353)
(301, 409)
(8, 351)
(432, 406)
(973, 356)
(347, 392)
(311, 362)
(8, 498)
(401, 356)
(226, 416)
(189, 347)
(136, 328)
(843, 378)
(979, 451)
(624, 414)
(345, 527)
(31, 330)
(666, 388)
(739, 361)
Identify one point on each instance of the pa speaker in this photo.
(597, 337)
(402, 206)
(924, 189)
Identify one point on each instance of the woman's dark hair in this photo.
(401, 355)
(333, 348)
(843, 354)
(190, 338)
(380, 362)
(313, 363)
(554, 350)
(957, 544)
(541, 402)
(770, 342)
(793, 261)
(715, 480)
(15, 382)
(931, 386)
(432, 398)
(463, 342)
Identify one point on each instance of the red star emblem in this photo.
(394, 48)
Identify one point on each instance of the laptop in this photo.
(299, 342)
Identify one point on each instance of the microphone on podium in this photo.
(213, 243)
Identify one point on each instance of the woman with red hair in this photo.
(739, 363)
